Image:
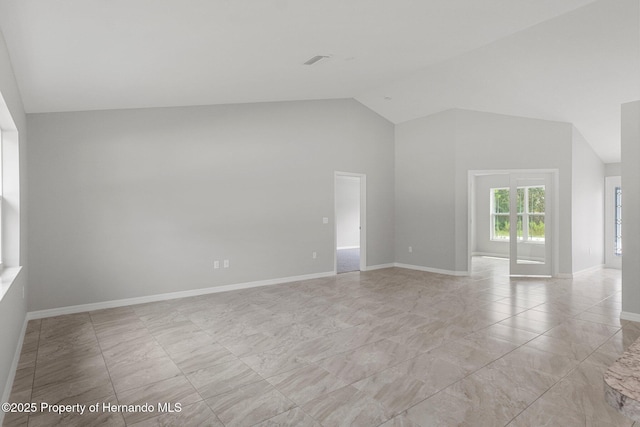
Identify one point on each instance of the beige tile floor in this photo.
(390, 347)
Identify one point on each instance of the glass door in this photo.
(530, 220)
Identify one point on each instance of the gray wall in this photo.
(425, 164)
(587, 205)
(132, 203)
(612, 169)
(13, 306)
(631, 210)
(486, 141)
(433, 157)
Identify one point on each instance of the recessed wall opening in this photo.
(349, 214)
(511, 216)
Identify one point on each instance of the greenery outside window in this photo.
(531, 207)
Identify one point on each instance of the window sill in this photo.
(7, 277)
(528, 242)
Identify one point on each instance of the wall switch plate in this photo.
(226, 263)
(410, 248)
(216, 264)
(325, 220)
(314, 255)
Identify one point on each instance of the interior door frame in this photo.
(611, 260)
(471, 219)
(363, 219)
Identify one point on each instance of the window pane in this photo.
(536, 227)
(536, 199)
(501, 227)
(519, 226)
(500, 200)
(520, 200)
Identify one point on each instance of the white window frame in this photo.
(494, 215)
(525, 217)
(617, 227)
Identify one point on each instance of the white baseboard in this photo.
(432, 270)
(633, 317)
(576, 273)
(378, 267)
(491, 255)
(40, 314)
(14, 367)
(348, 247)
(589, 270)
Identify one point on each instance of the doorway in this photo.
(350, 222)
(613, 222)
(512, 216)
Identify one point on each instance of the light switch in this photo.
(325, 220)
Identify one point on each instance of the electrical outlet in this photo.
(216, 264)
(410, 248)
(226, 263)
(314, 255)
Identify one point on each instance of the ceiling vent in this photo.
(315, 59)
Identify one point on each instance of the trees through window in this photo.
(531, 212)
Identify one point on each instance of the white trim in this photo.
(563, 276)
(633, 317)
(555, 223)
(589, 270)
(431, 270)
(379, 266)
(8, 276)
(348, 247)
(40, 314)
(611, 259)
(363, 219)
(14, 367)
(491, 255)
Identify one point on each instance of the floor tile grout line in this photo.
(93, 326)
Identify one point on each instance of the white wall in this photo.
(347, 212)
(631, 211)
(133, 203)
(587, 205)
(13, 306)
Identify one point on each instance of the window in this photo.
(617, 238)
(531, 206)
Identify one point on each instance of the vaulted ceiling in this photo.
(569, 60)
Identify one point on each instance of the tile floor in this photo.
(390, 347)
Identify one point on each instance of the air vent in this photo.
(315, 59)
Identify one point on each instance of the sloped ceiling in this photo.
(569, 60)
(578, 68)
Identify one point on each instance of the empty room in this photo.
(338, 213)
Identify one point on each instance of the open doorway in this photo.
(613, 222)
(349, 214)
(512, 221)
